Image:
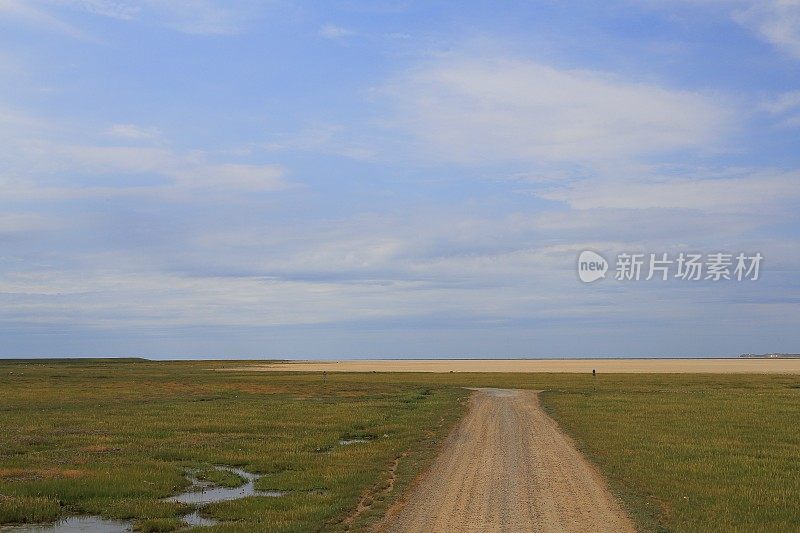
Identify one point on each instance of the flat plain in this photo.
(680, 452)
(609, 366)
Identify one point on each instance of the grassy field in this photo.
(114, 438)
(694, 453)
(685, 452)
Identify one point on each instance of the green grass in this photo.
(113, 438)
(28, 509)
(684, 452)
(220, 478)
(695, 455)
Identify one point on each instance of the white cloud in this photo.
(28, 13)
(741, 192)
(37, 166)
(197, 17)
(203, 17)
(185, 171)
(331, 31)
(477, 110)
(506, 267)
(54, 157)
(233, 177)
(134, 132)
(785, 106)
(322, 139)
(25, 222)
(785, 102)
(776, 21)
(107, 8)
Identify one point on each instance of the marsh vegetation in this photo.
(115, 439)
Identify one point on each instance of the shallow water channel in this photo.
(348, 442)
(199, 493)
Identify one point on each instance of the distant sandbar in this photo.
(635, 366)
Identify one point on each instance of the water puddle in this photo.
(200, 493)
(195, 520)
(74, 524)
(347, 442)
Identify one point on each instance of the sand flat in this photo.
(635, 366)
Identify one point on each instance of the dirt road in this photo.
(508, 467)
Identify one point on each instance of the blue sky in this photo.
(251, 178)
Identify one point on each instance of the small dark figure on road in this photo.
(594, 372)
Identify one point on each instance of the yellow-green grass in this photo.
(684, 452)
(113, 438)
(219, 478)
(694, 455)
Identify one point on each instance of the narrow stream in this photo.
(74, 524)
(199, 493)
(202, 494)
